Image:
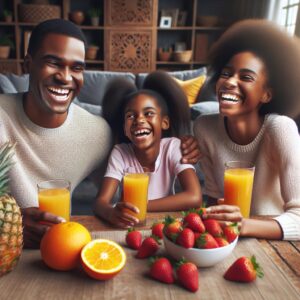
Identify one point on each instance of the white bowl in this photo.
(200, 257)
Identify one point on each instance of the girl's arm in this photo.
(113, 214)
(190, 197)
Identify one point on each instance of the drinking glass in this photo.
(238, 183)
(54, 196)
(135, 191)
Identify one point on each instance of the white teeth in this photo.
(59, 94)
(59, 91)
(230, 97)
(61, 98)
(141, 132)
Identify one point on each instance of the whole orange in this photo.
(62, 243)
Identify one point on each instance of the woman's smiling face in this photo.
(242, 86)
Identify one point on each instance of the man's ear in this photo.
(165, 123)
(267, 97)
(27, 63)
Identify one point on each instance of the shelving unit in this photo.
(129, 32)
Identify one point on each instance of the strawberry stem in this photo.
(257, 267)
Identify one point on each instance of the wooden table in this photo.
(33, 280)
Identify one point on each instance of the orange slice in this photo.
(103, 259)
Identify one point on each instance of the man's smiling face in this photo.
(56, 73)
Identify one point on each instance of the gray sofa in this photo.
(90, 98)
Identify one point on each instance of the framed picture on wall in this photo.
(26, 41)
(173, 13)
(165, 22)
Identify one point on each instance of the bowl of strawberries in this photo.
(203, 242)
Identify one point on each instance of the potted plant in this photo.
(94, 15)
(7, 15)
(5, 45)
(165, 53)
(91, 52)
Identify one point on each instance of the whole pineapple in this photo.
(11, 236)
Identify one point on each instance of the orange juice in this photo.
(56, 201)
(238, 184)
(136, 192)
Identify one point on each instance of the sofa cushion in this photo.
(203, 108)
(92, 108)
(6, 86)
(95, 83)
(192, 87)
(20, 82)
(181, 75)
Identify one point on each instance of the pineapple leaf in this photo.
(7, 151)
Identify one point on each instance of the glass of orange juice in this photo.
(135, 191)
(238, 183)
(54, 196)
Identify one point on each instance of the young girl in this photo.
(256, 71)
(143, 122)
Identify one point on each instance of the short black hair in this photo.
(279, 52)
(58, 26)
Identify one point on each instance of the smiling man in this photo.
(55, 138)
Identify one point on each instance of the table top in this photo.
(33, 280)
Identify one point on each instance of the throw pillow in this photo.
(182, 75)
(192, 87)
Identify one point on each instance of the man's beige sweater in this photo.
(71, 151)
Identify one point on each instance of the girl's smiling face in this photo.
(242, 86)
(144, 121)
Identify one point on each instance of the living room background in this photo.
(137, 35)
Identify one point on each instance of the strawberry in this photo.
(213, 227)
(187, 275)
(206, 241)
(172, 227)
(133, 238)
(197, 235)
(161, 270)
(157, 229)
(244, 269)
(221, 241)
(148, 248)
(186, 238)
(231, 232)
(193, 221)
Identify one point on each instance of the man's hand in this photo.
(190, 150)
(33, 230)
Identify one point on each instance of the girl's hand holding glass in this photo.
(120, 218)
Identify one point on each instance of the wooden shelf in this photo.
(137, 30)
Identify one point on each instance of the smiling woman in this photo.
(257, 86)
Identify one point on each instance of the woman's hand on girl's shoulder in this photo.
(190, 150)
